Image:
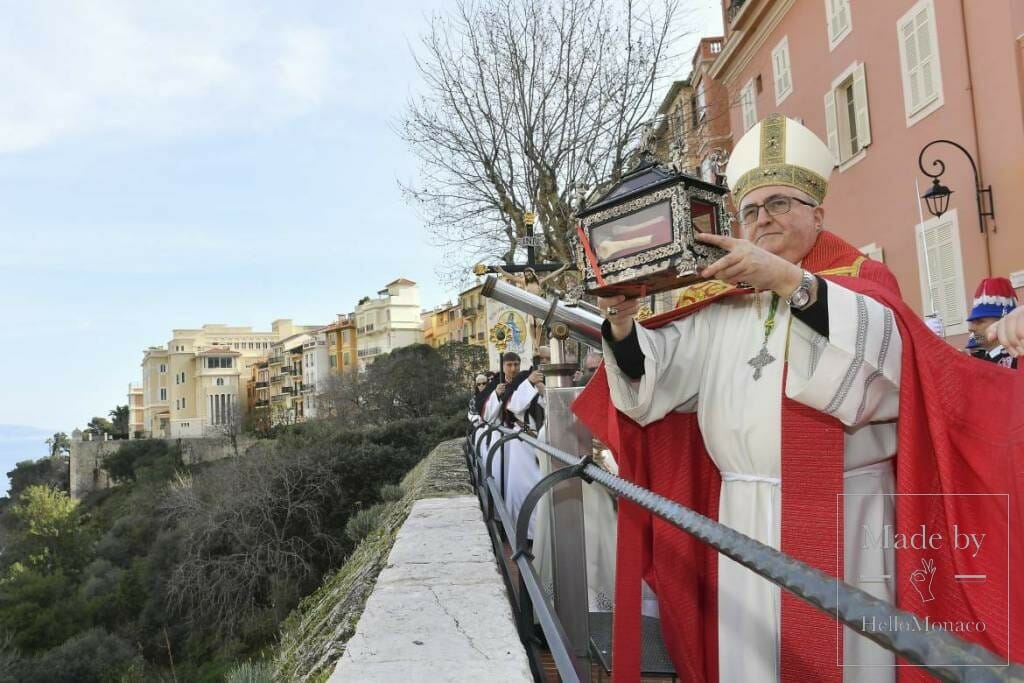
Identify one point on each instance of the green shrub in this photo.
(363, 523)
(94, 655)
(251, 672)
(391, 493)
(143, 460)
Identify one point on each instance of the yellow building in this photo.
(195, 385)
(285, 372)
(258, 391)
(136, 412)
(442, 325)
(473, 316)
(342, 346)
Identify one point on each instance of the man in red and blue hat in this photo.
(993, 300)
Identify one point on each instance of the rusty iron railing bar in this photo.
(852, 606)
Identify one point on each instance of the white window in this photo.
(183, 404)
(847, 122)
(781, 71)
(748, 105)
(942, 271)
(873, 252)
(220, 381)
(163, 394)
(702, 105)
(163, 368)
(919, 58)
(837, 15)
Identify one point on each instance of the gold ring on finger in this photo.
(612, 310)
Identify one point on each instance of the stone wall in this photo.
(316, 635)
(87, 455)
(86, 475)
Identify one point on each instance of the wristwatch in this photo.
(801, 296)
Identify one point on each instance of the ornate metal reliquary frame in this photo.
(642, 242)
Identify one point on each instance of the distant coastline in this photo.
(18, 443)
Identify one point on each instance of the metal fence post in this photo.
(568, 538)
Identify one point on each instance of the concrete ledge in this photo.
(439, 611)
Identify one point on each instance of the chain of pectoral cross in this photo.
(763, 358)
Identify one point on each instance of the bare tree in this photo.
(525, 103)
(230, 427)
(342, 397)
(252, 536)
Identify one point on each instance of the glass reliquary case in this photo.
(638, 237)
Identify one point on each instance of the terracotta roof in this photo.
(400, 281)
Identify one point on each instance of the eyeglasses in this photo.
(775, 206)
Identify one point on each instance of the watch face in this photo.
(800, 298)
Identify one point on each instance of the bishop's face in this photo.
(789, 235)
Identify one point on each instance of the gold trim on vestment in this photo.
(700, 291)
(852, 270)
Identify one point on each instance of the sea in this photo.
(18, 443)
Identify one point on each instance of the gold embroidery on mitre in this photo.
(773, 140)
(700, 291)
(782, 174)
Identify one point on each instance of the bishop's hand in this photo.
(748, 263)
(620, 312)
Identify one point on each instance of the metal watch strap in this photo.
(806, 282)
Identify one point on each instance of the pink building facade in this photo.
(879, 80)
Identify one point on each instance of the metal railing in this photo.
(938, 652)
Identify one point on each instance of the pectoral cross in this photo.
(762, 359)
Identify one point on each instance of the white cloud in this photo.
(70, 68)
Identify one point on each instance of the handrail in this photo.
(939, 652)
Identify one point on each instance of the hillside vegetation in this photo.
(185, 572)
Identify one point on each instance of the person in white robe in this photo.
(843, 352)
(515, 464)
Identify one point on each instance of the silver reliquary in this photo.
(638, 238)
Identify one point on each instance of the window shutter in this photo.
(925, 57)
(777, 70)
(781, 71)
(831, 126)
(911, 66)
(842, 14)
(944, 274)
(830, 20)
(860, 105)
(787, 77)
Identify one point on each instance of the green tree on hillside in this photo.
(119, 421)
(46, 530)
(50, 471)
(98, 426)
(59, 444)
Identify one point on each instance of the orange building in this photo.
(341, 343)
(878, 81)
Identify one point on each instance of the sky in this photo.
(165, 165)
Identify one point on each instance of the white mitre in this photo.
(779, 151)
